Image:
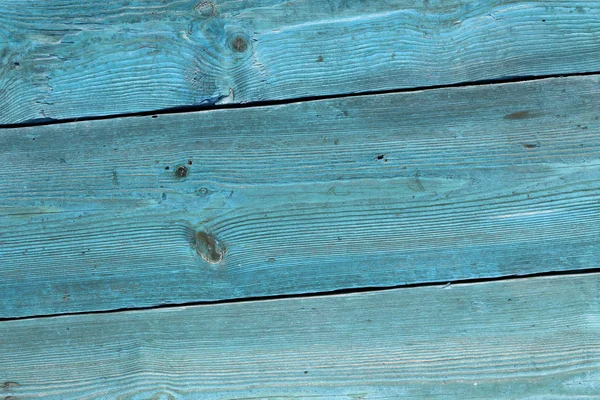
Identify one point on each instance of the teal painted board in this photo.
(431, 186)
(528, 339)
(69, 59)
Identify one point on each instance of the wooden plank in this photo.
(66, 58)
(527, 339)
(368, 191)
(432, 186)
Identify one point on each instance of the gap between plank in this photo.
(266, 103)
(372, 289)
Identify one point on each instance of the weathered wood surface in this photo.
(65, 58)
(430, 186)
(528, 339)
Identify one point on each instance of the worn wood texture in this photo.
(65, 58)
(529, 339)
(431, 186)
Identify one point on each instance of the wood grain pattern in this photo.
(528, 339)
(67, 59)
(430, 186)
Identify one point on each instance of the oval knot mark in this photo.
(209, 248)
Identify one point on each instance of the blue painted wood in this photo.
(430, 186)
(66, 58)
(528, 339)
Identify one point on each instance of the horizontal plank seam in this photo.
(266, 103)
(370, 289)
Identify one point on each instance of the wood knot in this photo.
(206, 8)
(202, 191)
(209, 248)
(182, 171)
(239, 44)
